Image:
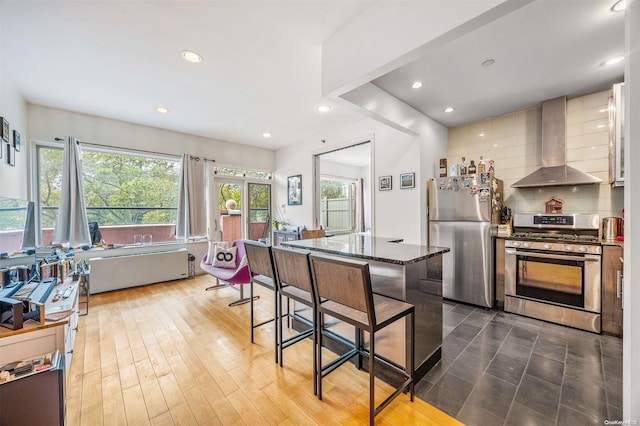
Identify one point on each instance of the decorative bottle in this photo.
(463, 167)
(443, 167)
(481, 166)
(472, 168)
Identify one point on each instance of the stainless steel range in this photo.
(552, 269)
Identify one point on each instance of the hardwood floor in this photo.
(172, 353)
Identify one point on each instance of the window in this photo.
(250, 191)
(130, 195)
(338, 203)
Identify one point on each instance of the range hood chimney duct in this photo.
(554, 171)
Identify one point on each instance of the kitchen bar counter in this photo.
(388, 250)
(407, 272)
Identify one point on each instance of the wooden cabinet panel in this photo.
(612, 290)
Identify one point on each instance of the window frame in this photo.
(36, 145)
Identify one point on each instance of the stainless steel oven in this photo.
(554, 275)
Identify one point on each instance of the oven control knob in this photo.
(525, 245)
(569, 247)
(582, 248)
(547, 246)
(516, 244)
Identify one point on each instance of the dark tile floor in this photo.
(503, 369)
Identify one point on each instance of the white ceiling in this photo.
(542, 50)
(121, 59)
(262, 62)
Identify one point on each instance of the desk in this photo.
(280, 237)
(407, 272)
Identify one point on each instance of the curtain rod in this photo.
(192, 157)
(134, 150)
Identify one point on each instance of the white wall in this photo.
(631, 290)
(514, 143)
(397, 213)
(14, 182)
(45, 124)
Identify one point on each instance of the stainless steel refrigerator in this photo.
(464, 212)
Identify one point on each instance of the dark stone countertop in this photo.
(389, 250)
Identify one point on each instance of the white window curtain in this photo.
(72, 227)
(192, 205)
(360, 206)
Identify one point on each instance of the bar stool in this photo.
(262, 271)
(294, 282)
(342, 289)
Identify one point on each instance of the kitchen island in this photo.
(407, 272)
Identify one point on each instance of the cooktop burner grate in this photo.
(555, 237)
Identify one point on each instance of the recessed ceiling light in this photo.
(619, 6)
(162, 110)
(600, 126)
(323, 108)
(604, 110)
(266, 134)
(191, 56)
(614, 61)
(417, 85)
(488, 62)
(481, 134)
(495, 145)
(449, 109)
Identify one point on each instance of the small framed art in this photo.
(384, 183)
(4, 131)
(11, 155)
(294, 190)
(407, 180)
(16, 140)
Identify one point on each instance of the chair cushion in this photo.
(225, 257)
(212, 249)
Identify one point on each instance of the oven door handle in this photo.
(555, 256)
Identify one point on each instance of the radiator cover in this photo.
(117, 272)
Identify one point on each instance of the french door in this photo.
(241, 209)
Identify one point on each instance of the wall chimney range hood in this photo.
(554, 171)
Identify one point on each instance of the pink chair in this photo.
(228, 276)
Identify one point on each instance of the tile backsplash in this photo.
(514, 143)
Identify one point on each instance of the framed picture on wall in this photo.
(384, 183)
(16, 140)
(11, 155)
(294, 190)
(407, 180)
(4, 131)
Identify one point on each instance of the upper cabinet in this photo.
(616, 136)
